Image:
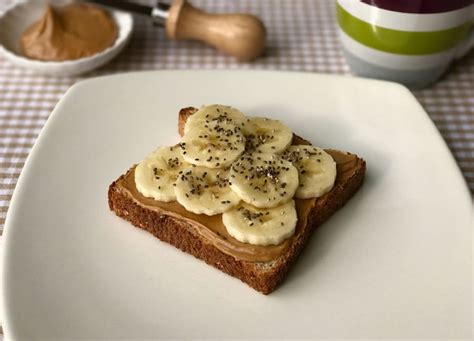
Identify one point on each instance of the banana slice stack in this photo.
(244, 168)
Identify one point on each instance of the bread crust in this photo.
(264, 277)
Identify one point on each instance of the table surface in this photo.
(302, 36)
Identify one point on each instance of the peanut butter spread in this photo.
(212, 228)
(70, 32)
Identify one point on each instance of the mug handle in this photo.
(466, 45)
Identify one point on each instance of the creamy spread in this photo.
(212, 228)
(70, 32)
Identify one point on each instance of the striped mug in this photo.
(412, 42)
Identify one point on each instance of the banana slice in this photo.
(215, 114)
(267, 135)
(317, 170)
(205, 191)
(215, 145)
(261, 226)
(263, 179)
(155, 176)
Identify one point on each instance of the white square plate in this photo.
(394, 262)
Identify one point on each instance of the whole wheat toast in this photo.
(184, 234)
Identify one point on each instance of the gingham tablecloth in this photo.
(302, 36)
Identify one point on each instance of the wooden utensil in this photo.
(239, 35)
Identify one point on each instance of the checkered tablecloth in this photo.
(302, 36)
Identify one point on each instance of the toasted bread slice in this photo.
(168, 223)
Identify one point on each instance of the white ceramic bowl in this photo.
(21, 15)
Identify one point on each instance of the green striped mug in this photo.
(412, 42)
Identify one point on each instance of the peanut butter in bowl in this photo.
(70, 32)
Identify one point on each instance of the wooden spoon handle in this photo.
(239, 35)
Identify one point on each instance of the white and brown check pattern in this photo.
(302, 36)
